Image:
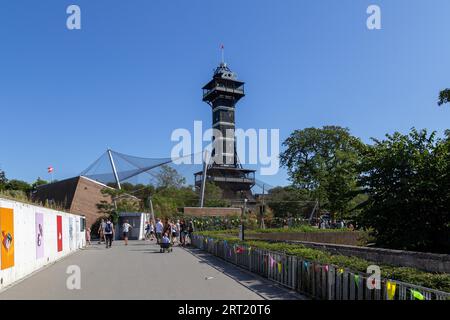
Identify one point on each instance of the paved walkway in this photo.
(139, 271)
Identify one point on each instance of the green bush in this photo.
(408, 275)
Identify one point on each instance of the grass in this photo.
(20, 196)
(404, 274)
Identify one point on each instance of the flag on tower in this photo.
(50, 169)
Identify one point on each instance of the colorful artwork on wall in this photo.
(59, 233)
(71, 233)
(7, 237)
(39, 235)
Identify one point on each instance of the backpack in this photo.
(108, 227)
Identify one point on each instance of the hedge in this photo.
(409, 275)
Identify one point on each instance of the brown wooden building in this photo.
(78, 195)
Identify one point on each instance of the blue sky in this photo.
(134, 73)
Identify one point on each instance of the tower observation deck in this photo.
(222, 93)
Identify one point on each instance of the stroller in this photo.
(165, 247)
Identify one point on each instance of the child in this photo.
(165, 238)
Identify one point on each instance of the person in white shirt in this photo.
(159, 230)
(126, 229)
(174, 230)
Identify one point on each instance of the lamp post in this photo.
(241, 231)
(152, 213)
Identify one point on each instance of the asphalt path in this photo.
(140, 271)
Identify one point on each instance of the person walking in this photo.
(152, 231)
(109, 233)
(146, 230)
(190, 230)
(88, 236)
(168, 229)
(183, 232)
(101, 231)
(126, 229)
(159, 230)
(178, 226)
(174, 230)
(149, 230)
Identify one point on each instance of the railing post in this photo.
(330, 282)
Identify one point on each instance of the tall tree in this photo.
(18, 185)
(324, 161)
(3, 180)
(286, 201)
(168, 177)
(119, 201)
(407, 180)
(444, 97)
(214, 196)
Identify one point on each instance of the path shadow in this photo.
(133, 244)
(259, 285)
(146, 251)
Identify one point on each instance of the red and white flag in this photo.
(50, 169)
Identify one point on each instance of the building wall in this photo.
(136, 220)
(59, 192)
(79, 195)
(25, 255)
(87, 196)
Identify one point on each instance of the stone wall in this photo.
(338, 237)
(346, 244)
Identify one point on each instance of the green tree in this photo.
(286, 201)
(141, 191)
(38, 182)
(168, 177)
(3, 180)
(167, 201)
(324, 162)
(407, 180)
(214, 196)
(18, 185)
(444, 97)
(119, 201)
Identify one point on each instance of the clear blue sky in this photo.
(135, 71)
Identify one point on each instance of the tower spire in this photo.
(222, 50)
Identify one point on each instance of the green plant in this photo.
(409, 275)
